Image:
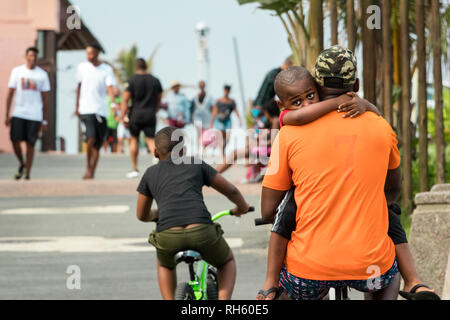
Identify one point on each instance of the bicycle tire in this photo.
(184, 292)
(212, 290)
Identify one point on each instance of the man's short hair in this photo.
(141, 64)
(95, 46)
(166, 140)
(288, 77)
(32, 49)
(336, 67)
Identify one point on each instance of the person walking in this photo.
(201, 109)
(178, 107)
(145, 92)
(28, 85)
(95, 82)
(221, 117)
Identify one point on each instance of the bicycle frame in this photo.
(199, 278)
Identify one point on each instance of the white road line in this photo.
(67, 210)
(83, 244)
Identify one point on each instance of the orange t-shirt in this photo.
(339, 168)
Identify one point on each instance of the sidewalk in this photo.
(56, 175)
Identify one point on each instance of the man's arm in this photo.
(313, 112)
(223, 186)
(9, 99)
(126, 96)
(393, 185)
(110, 90)
(144, 211)
(215, 110)
(44, 96)
(270, 200)
(77, 104)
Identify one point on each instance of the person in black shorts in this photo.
(96, 81)
(145, 91)
(28, 85)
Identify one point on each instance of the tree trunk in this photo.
(397, 68)
(438, 100)
(387, 60)
(406, 106)
(369, 55)
(351, 33)
(316, 32)
(422, 96)
(333, 21)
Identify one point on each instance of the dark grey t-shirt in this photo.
(177, 190)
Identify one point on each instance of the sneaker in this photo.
(133, 174)
(19, 174)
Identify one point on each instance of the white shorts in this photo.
(122, 132)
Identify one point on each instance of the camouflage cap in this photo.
(335, 68)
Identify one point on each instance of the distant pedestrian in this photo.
(28, 85)
(201, 110)
(95, 82)
(145, 92)
(221, 116)
(112, 122)
(178, 108)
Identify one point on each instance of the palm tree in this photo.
(332, 4)
(438, 101)
(387, 60)
(406, 106)
(369, 55)
(350, 21)
(422, 95)
(316, 31)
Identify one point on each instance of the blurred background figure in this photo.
(221, 117)
(96, 81)
(112, 121)
(201, 109)
(145, 92)
(178, 107)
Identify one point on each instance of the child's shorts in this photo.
(304, 289)
(206, 239)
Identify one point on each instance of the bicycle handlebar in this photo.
(260, 222)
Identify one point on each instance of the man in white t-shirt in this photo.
(28, 85)
(95, 82)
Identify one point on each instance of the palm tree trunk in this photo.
(316, 31)
(438, 100)
(406, 106)
(369, 55)
(351, 34)
(333, 21)
(387, 60)
(422, 96)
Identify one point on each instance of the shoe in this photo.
(133, 174)
(19, 174)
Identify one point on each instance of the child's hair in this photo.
(166, 139)
(288, 77)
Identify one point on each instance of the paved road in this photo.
(40, 237)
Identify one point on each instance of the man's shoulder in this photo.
(19, 68)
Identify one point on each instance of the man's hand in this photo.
(354, 107)
(8, 121)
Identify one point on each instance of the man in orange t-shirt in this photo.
(339, 169)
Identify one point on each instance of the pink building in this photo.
(44, 24)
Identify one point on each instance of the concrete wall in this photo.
(19, 22)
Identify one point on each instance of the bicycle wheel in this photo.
(212, 290)
(184, 292)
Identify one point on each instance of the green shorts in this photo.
(206, 239)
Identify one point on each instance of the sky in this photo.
(261, 39)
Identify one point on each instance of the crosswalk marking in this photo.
(79, 244)
(67, 210)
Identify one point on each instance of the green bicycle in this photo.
(203, 277)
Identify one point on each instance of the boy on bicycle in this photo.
(184, 222)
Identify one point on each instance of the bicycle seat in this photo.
(188, 256)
